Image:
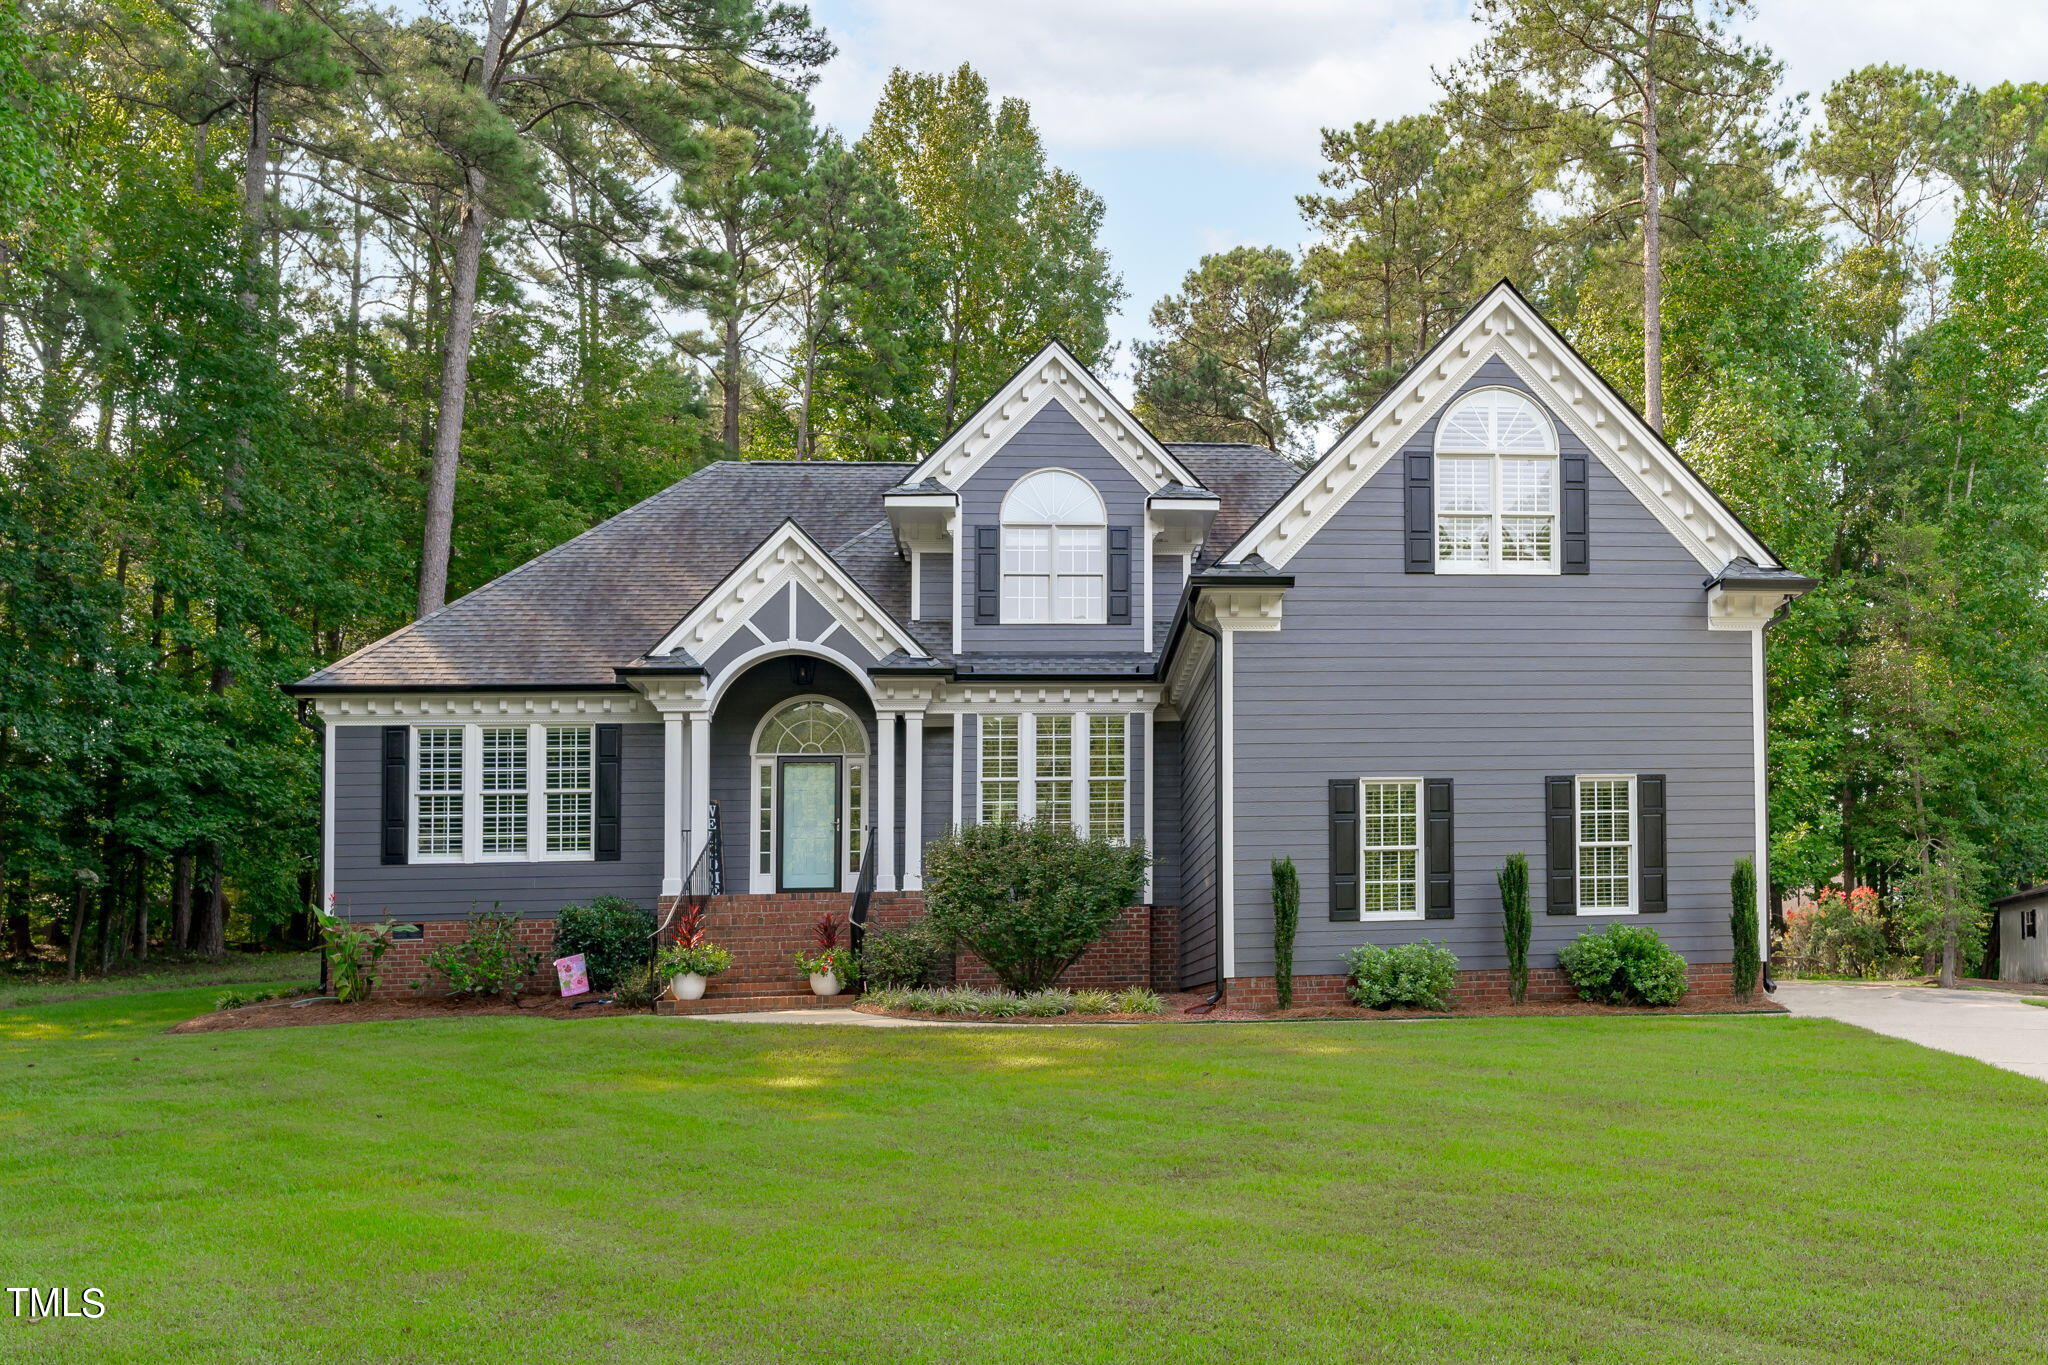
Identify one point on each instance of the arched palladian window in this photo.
(1055, 551)
(809, 728)
(1496, 486)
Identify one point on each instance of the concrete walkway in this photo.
(1989, 1025)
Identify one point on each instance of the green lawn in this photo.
(521, 1190)
(164, 974)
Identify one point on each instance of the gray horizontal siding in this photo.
(1166, 589)
(1166, 815)
(1494, 682)
(1199, 949)
(935, 586)
(366, 889)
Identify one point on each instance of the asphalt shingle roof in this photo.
(603, 600)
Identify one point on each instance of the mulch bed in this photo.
(1179, 1003)
(288, 1013)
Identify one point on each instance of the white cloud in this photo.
(1254, 81)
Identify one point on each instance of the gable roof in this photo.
(1506, 324)
(1051, 375)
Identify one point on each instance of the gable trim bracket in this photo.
(1505, 324)
(788, 555)
(1053, 373)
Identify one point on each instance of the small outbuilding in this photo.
(2022, 949)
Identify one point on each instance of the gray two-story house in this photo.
(1499, 614)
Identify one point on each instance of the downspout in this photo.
(1216, 793)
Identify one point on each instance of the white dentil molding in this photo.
(366, 708)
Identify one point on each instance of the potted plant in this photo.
(691, 960)
(830, 967)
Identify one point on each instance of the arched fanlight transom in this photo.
(1053, 497)
(1496, 422)
(812, 727)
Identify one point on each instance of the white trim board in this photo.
(1504, 324)
(1053, 373)
(788, 555)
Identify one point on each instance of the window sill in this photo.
(1495, 571)
(1380, 916)
(1605, 913)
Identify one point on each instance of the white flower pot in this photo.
(688, 986)
(824, 983)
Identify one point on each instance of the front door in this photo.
(809, 853)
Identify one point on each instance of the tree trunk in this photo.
(141, 907)
(181, 900)
(1653, 241)
(77, 931)
(213, 928)
(20, 935)
(808, 383)
(469, 254)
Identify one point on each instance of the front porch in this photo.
(766, 932)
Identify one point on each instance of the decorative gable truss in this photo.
(1504, 324)
(1052, 374)
(788, 592)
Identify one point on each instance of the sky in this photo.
(1198, 121)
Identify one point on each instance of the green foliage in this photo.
(1742, 930)
(1048, 1004)
(915, 955)
(637, 988)
(1419, 975)
(840, 962)
(488, 960)
(613, 934)
(1286, 920)
(1624, 964)
(1234, 361)
(1028, 899)
(1839, 935)
(705, 959)
(1516, 926)
(353, 955)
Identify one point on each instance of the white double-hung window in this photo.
(475, 797)
(1069, 767)
(1390, 861)
(1607, 845)
(1496, 486)
(1055, 551)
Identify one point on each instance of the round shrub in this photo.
(1625, 964)
(611, 932)
(1028, 899)
(911, 957)
(1406, 976)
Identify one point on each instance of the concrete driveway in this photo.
(1989, 1025)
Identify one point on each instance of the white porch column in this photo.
(885, 801)
(700, 784)
(913, 800)
(672, 868)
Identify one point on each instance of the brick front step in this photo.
(741, 1004)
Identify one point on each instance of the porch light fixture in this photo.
(803, 670)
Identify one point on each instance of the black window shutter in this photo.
(1437, 846)
(1650, 842)
(988, 574)
(607, 841)
(1419, 501)
(1119, 575)
(1343, 848)
(1572, 505)
(396, 760)
(1561, 888)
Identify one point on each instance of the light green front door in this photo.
(810, 824)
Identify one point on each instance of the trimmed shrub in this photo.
(1742, 926)
(1028, 899)
(1515, 923)
(611, 932)
(1624, 964)
(913, 956)
(488, 960)
(1406, 976)
(1286, 919)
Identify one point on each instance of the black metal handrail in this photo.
(863, 889)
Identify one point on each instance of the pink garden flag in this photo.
(573, 975)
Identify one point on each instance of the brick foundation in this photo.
(405, 962)
(1477, 987)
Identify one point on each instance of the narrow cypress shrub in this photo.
(1286, 919)
(1742, 925)
(1515, 924)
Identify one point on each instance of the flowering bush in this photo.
(689, 950)
(1841, 934)
(826, 956)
